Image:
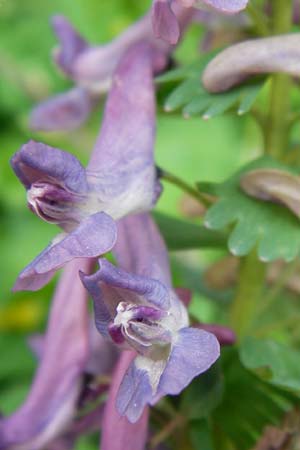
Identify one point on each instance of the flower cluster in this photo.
(104, 207)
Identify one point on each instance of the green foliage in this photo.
(190, 96)
(271, 227)
(203, 395)
(180, 234)
(248, 405)
(274, 362)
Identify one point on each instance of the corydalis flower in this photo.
(164, 20)
(119, 179)
(140, 310)
(91, 68)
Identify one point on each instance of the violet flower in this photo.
(91, 69)
(140, 310)
(120, 178)
(164, 18)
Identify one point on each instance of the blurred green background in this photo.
(193, 149)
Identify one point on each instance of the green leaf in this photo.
(204, 394)
(249, 404)
(200, 435)
(271, 227)
(272, 361)
(180, 235)
(192, 98)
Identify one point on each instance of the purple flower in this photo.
(92, 69)
(67, 353)
(120, 178)
(164, 14)
(139, 309)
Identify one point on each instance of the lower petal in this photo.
(192, 354)
(95, 236)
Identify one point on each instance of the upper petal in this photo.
(124, 149)
(130, 284)
(71, 43)
(94, 236)
(62, 112)
(165, 25)
(36, 161)
(193, 353)
(51, 402)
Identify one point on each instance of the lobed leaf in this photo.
(190, 96)
(272, 228)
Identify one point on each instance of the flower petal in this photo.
(128, 435)
(95, 236)
(140, 248)
(266, 55)
(165, 25)
(71, 43)
(36, 161)
(63, 112)
(227, 6)
(128, 286)
(193, 353)
(51, 402)
(134, 394)
(126, 142)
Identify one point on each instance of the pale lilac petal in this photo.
(227, 6)
(125, 145)
(36, 161)
(193, 353)
(140, 248)
(71, 43)
(51, 402)
(117, 432)
(63, 112)
(94, 236)
(165, 25)
(103, 353)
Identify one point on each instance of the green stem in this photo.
(252, 272)
(258, 19)
(249, 290)
(277, 126)
(173, 179)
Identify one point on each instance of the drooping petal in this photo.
(117, 432)
(94, 236)
(134, 391)
(62, 112)
(266, 55)
(193, 353)
(124, 150)
(94, 67)
(51, 402)
(140, 248)
(36, 161)
(226, 6)
(71, 43)
(273, 185)
(165, 25)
